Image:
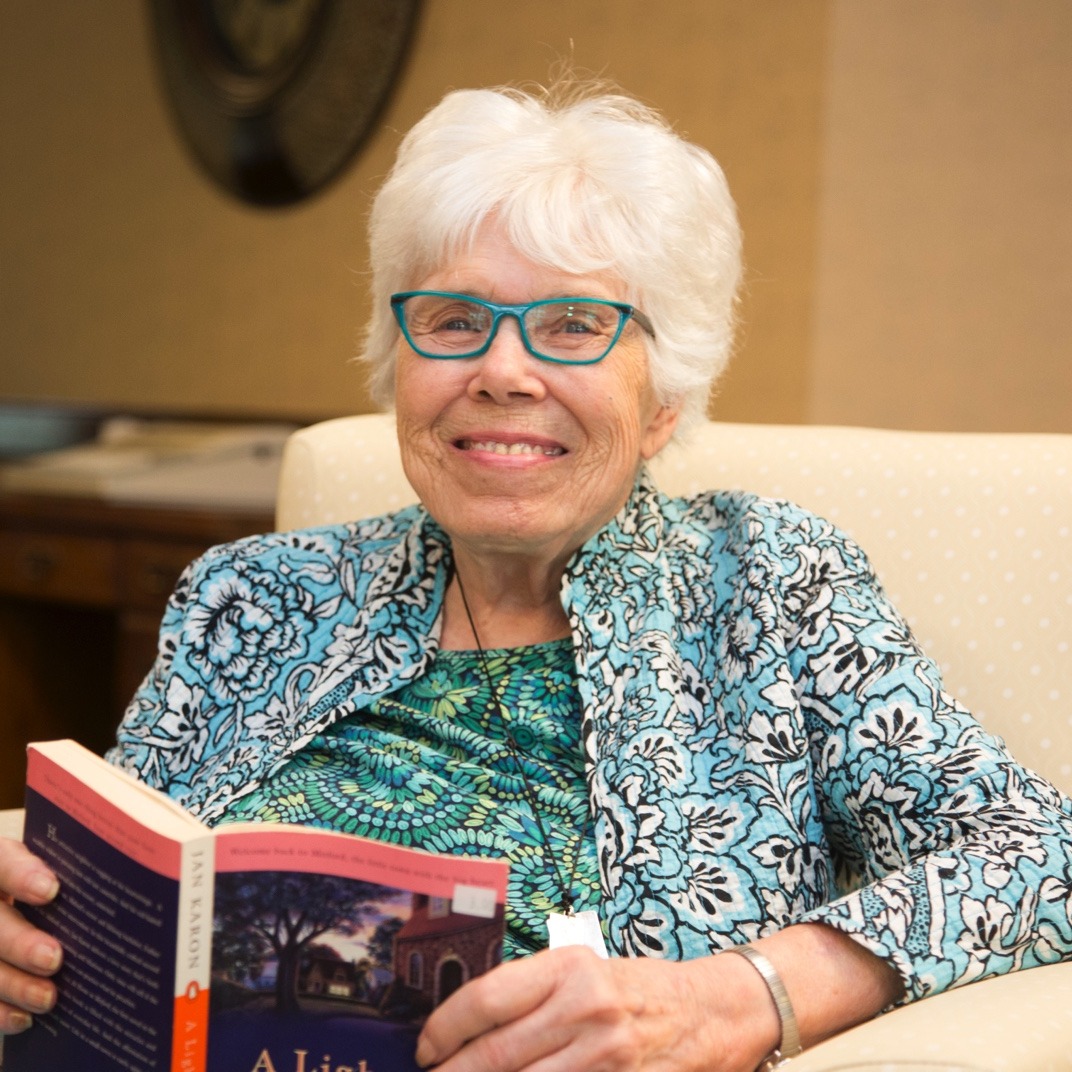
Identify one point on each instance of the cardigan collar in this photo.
(409, 586)
(618, 591)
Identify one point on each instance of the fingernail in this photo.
(41, 997)
(43, 886)
(18, 1022)
(46, 956)
(425, 1055)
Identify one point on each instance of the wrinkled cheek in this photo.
(422, 465)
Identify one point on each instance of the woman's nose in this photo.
(507, 372)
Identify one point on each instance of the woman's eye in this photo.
(576, 324)
(577, 319)
(458, 320)
(456, 323)
(578, 327)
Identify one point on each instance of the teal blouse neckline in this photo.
(429, 766)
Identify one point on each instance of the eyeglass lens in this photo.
(569, 330)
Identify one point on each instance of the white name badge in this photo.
(581, 928)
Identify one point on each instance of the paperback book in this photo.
(250, 947)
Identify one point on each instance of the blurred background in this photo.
(902, 169)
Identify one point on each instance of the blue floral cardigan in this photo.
(765, 742)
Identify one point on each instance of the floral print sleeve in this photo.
(962, 859)
(269, 639)
(768, 745)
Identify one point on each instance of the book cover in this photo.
(244, 948)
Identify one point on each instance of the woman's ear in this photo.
(658, 432)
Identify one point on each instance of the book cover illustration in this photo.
(314, 970)
(245, 948)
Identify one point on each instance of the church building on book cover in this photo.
(436, 950)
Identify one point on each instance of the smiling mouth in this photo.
(495, 447)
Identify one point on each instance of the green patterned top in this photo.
(429, 766)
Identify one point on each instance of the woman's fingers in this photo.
(23, 876)
(27, 956)
(21, 995)
(564, 1009)
(502, 998)
(24, 947)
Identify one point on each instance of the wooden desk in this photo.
(82, 586)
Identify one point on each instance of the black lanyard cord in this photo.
(511, 744)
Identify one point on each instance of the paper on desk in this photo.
(247, 481)
(167, 463)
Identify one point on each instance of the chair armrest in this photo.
(1019, 1023)
(11, 823)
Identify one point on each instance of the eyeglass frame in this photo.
(626, 312)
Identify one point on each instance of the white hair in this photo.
(586, 183)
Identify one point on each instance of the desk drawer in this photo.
(151, 568)
(71, 569)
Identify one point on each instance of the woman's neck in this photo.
(511, 605)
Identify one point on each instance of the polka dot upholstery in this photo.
(970, 533)
(341, 470)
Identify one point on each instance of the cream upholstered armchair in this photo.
(972, 537)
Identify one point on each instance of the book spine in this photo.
(193, 956)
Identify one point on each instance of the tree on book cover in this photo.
(327, 950)
(314, 970)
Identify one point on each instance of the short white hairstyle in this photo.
(587, 182)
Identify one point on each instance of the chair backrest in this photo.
(970, 533)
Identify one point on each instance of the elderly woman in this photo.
(695, 727)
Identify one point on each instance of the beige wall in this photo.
(944, 273)
(128, 280)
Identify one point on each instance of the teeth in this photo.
(494, 447)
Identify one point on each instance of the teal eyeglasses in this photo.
(567, 331)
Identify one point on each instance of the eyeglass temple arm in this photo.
(644, 322)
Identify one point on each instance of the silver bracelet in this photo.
(789, 1044)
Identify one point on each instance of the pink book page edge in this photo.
(322, 852)
(100, 816)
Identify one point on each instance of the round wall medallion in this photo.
(274, 97)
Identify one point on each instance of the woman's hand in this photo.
(566, 1009)
(27, 955)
